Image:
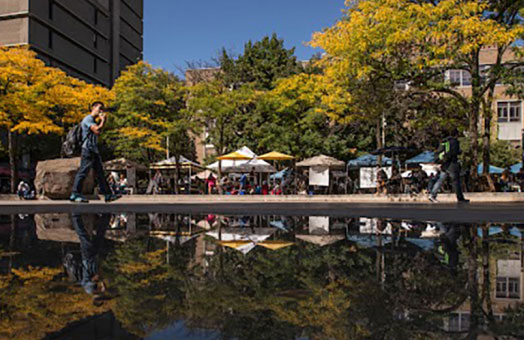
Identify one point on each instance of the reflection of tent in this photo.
(368, 241)
(174, 237)
(245, 238)
(368, 161)
(498, 230)
(322, 161)
(242, 234)
(276, 156)
(492, 169)
(424, 157)
(321, 240)
(247, 246)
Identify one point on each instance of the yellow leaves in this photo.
(38, 99)
(44, 274)
(35, 302)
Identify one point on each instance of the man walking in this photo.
(448, 154)
(91, 156)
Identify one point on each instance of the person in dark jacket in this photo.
(448, 154)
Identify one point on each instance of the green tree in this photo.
(261, 63)
(150, 106)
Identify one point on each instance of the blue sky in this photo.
(177, 31)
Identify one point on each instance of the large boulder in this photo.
(59, 227)
(55, 178)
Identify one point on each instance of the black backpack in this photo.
(73, 142)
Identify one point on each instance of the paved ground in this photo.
(503, 210)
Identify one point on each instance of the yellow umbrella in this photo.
(234, 244)
(235, 156)
(276, 156)
(275, 245)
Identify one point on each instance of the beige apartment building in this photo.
(93, 40)
(507, 123)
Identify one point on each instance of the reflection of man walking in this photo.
(448, 154)
(91, 156)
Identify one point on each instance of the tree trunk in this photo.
(12, 159)
(474, 111)
(379, 139)
(473, 290)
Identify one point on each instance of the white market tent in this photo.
(243, 166)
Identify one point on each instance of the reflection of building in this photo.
(506, 282)
(90, 39)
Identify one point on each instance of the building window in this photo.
(509, 111)
(96, 17)
(95, 40)
(95, 65)
(51, 7)
(508, 288)
(458, 77)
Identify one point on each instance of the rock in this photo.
(59, 227)
(54, 178)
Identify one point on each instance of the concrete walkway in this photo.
(484, 207)
(478, 197)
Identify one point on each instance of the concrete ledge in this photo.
(478, 197)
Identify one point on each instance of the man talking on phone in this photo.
(91, 156)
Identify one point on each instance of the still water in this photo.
(165, 276)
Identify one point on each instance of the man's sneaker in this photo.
(78, 198)
(111, 198)
(432, 199)
(463, 201)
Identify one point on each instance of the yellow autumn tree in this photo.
(39, 100)
(418, 41)
(35, 301)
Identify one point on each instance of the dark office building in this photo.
(90, 39)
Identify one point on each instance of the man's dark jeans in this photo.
(90, 160)
(452, 171)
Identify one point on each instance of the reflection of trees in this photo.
(150, 292)
(36, 301)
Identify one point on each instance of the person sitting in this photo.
(277, 190)
(395, 181)
(265, 188)
(122, 184)
(382, 178)
(24, 191)
(504, 181)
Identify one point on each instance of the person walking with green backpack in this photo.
(90, 155)
(448, 154)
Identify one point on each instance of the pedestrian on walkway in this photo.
(448, 154)
(91, 156)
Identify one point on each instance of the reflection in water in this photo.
(258, 277)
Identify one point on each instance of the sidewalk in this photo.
(361, 198)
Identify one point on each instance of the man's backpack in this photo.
(73, 142)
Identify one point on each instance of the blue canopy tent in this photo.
(515, 168)
(368, 160)
(424, 157)
(281, 174)
(492, 169)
